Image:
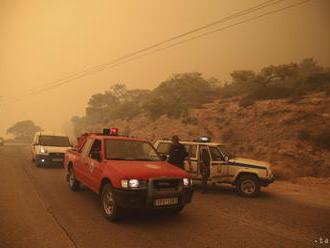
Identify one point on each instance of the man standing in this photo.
(178, 153)
(204, 167)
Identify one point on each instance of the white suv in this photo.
(48, 148)
(246, 174)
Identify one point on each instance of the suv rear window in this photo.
(191, 149)
(164, 148)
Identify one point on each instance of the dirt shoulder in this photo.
(310, 190)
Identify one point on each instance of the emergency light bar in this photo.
(204, 139)
(110, 131)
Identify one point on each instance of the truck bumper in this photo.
(141, 199)
(265, 182)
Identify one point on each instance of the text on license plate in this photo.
(166, 201)
(57, 159)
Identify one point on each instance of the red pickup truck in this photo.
(126, 173)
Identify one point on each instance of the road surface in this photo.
(38, 210)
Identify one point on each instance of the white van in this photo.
(48, 148)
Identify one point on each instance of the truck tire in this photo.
(248, 185)
(110, 208)
(73, 182)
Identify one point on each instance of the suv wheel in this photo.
(248, 186)
(109, 206)
(73, 182)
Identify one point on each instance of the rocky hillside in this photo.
(292, 134)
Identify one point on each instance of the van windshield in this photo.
(47, 140)
(130, 150)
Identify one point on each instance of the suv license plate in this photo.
(166, 201)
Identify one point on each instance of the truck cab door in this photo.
(219, 169)
(95, 166)
(82, 163)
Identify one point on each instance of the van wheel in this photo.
(248, 186)
(73, 182)
(110, 208)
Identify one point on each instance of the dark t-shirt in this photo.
(177, 155)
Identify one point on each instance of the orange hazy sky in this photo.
(46, 40)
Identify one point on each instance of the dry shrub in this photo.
(227, 135)
(190, 120)
(322, 139)
(303, 135)
(246, 101)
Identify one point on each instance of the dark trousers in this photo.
(205, 171)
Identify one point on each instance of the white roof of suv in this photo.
(194, 142)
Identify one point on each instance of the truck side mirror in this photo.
(96, 155)
(163, 157)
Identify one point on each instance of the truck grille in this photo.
(166, 184)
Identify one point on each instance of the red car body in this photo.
(96, 173)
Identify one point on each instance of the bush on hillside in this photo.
(322, 139)
(303, 135)
(246, 101)
(190, 120)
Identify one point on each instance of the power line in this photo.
(217, 22)
(96, 69)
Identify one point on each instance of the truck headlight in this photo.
(132, 183)
(43, 150)
(187, 182)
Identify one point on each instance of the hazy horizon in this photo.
(43, 41)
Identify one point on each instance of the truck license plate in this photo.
(57, 159)
(166, 201)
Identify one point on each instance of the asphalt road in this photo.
(37, 209)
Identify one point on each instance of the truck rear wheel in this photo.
(109, 206)
(73, 182)
(248, 185)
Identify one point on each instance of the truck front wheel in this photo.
(109, 206)
(73, 182)
(248, 185)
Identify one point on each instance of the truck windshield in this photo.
(46, 140)
(130, 150)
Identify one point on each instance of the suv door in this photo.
(192, 150)
(219, 169)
